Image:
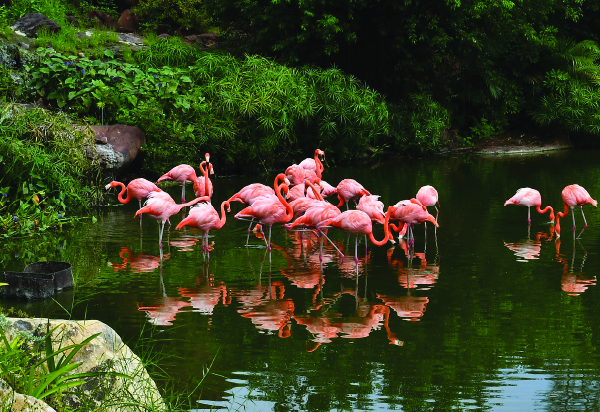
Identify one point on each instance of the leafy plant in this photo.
(182, 15)
(167, 52)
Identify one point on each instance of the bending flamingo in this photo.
(410, 212)
(357, 221)
(428, 196)
(350, 189)
(202, 185)
(574, 195)
(137, 188)
(161, 206)
(205, 217)
(526, 196)
(269, 211)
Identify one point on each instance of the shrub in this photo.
(182, 15)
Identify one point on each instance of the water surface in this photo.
(489, 314)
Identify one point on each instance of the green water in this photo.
(488, 315)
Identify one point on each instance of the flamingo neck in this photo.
(319, 165)
(315, 191)
(223, 215)
(289, 212)
(193, 202)
(121, 196)
(386, 229)
(544, 210)
(559, 215)
(204, 169)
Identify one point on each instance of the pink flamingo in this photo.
(205, 217)
(269, 211)
(161, 206)
(428, 196)
(138, 188)
(202, 185)
(357, 221)
(297, 192)
(526, 196)
(574, 195)
(300, 205)
(181, 173)
(326, 190)
(372, 207)
(350, 189)
(410, 212)
(297, 175)
(314, 164)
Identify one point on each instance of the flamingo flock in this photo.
(297, 201)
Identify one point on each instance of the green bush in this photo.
(247, 111)
(44, 173)
(167, 52)
(182, 15)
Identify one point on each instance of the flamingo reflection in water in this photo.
(266, 305)
(184, 244)
(165, 308)
(529, 249)
(137, 262)
(206, 294)
(573, 283)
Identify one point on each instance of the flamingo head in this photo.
(510, 202)
(226, 203)
(286, 181)
(207, 157)
(319, 152)
(111, 184)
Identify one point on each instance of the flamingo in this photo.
(138, 188)
(314, 164)
(301, 204)
(350, 189)
(269, 211)
(372, 207)
(181, 173)
(297, 175)
(161, 206)
(428, 196)
(327, 189)
(297, 192)
(410, 212)
(357, 221)
(526, 196)
(205, 217)
(202, 185)
(574, 195)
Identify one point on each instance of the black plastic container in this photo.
(39, 280)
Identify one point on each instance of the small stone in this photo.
(24, 45)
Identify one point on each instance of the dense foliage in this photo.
(246, 111)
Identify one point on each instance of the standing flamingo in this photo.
(428, 196)
(202, 185)
(327, 190)
(574, 195)
(138, 188)
(350, 189)
(526, 196)
(161, 206)
(205, 217)
(314, 164)
(410, 212)
(269, 211)
(357, 221)
(181, 173)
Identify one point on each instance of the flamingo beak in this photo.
(432, 220)
(207, 156)
(286, 181)
(212, 171)
(321, 186)
(438, 203)
(108, 186)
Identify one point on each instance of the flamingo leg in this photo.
(573, 213)
(160, 234)
(356, 248)
(207, 249)
(321, 250)
(584, 221)
(366, 246)
(249, 229)
(264, 237)
(141, 214)
(332, 244)
(183, 191)
(529, 214)
(269, 244)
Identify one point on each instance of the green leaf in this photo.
(109, 53)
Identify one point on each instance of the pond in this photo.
(489, 313)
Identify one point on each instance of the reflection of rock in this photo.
(106, 352)
(30, 23)
(116, 146)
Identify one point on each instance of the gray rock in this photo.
(32, 22)
(17, 402)
(106, 352)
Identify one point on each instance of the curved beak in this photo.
(432, 220)
(107, 186)
(212, 171)
(286, 181)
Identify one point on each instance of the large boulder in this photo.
(102, 19)
(105, 353)
(17, 402)
(116, 146)
(128, 22)
(30, 23)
